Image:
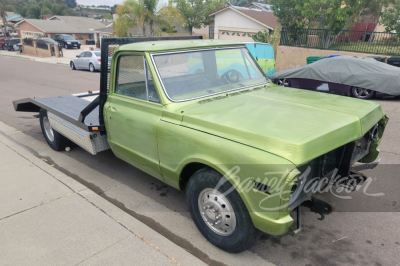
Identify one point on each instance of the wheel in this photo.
(65, 46)
(91, 68)
(55, 140)
(79, 47)
(361, 93)
(72, 65)
(283, 82)
(222, 219)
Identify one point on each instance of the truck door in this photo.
(132, 113)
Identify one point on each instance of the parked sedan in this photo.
(46, 41)
(90, 60)
(361, 78)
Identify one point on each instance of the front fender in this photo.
(242, 165)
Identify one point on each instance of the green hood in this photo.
(295, 124)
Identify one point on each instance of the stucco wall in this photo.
(291, 57)
(234, 21)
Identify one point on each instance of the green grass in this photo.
(366, 47)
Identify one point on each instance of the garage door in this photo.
(235, 36)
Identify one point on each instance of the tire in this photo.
(65, 46)
(55, 140)
(79, 47)
(92, 68)
(283, 82)
(363, 94)
(237, 232)
(72, 65)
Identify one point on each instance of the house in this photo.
(79, 27)
(11, 19)
(240, 23)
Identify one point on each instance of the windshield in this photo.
(69, 38)
(187, 75)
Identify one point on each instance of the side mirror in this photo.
(77, 56)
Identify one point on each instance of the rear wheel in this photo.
(220, 215)
(361, 93)
(92, 68)
(55, 140)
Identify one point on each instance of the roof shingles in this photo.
(66, 24)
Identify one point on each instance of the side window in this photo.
(82, 55)
(88, 54)
(131, 79)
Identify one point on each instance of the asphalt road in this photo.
(364, 231)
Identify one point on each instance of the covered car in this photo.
(362, 78)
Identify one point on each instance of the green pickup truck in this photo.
(242, 147)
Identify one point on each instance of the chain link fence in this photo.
(342, 40)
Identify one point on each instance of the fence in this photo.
(342, 40)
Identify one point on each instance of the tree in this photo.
(5, 6)
(141, 13)
(196, 13)
(70, 3)
(113, 9)
(390, 17)
(333, 15)
(266, 37)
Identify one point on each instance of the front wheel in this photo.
(72, 66)
(361, 93)
(65, 46)
(219, 212)
(55, 140)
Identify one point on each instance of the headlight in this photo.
(68, 42)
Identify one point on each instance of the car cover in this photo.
(360, 72)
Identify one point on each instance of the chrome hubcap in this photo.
(47, 129)
(283, 82)
(91, 68)
(217, 212)
(362, 93)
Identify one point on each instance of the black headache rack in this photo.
(78, 110)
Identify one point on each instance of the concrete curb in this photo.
(37, 59)
(159, 243)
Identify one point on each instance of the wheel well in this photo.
(187, 172)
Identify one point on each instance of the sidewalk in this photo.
(48, 218)
(65, 60)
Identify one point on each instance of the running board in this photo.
(92, 142)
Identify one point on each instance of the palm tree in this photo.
(142, 13)
(5, 6)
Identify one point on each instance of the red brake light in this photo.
(99, 60)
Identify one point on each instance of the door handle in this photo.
(112, 109)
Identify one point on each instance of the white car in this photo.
(90, 60)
